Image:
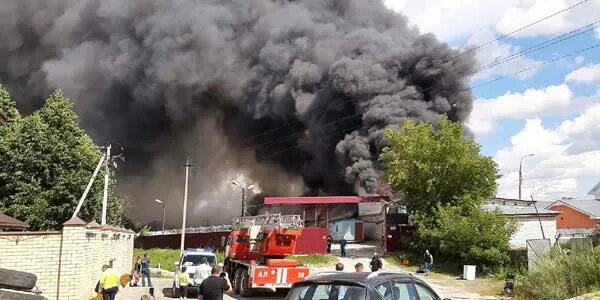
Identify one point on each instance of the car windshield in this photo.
(196, 259)
(327, 292)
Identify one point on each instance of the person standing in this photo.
(329, 241)
(213, 287)
(145, 267)
(202, 271)
(109, 283)
(343, 247)
(376, 263)
(184, 282)
(427, 261)
(135, 272)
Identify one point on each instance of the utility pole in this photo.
(106, 177)
(89, 185)
(521, 173)
(188, 164)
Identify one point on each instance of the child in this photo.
(183, 283)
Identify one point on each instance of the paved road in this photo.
(162, 289)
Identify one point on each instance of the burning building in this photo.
(293, 96)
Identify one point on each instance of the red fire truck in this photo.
(256, 249)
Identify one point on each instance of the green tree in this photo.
(46, 160)
(7, 105)
(467, 234)
(430, 166)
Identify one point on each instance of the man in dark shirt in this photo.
(213, 287)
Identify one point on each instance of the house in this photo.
(578, 218)
(530, 219)
(10, 223)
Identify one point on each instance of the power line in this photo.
(485, 44)
(252, 137)
(464, 90)
(534, 48)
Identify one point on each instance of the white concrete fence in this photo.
(68, 263)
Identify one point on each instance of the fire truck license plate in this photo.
(268, 275)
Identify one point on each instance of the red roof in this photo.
(312, 200)
(10, 222)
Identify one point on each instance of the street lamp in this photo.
(164, 210)
(521, 173)
(244, 189)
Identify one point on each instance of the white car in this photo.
(191, 259)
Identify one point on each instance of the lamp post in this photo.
(244, 189)
(521, 172)
(164, 210)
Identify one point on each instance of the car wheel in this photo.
(17, 280)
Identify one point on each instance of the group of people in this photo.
(141, 268)
(212, 287)
(343, 243)
(110, 279)
(375, 265)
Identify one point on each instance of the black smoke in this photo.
(291, 95)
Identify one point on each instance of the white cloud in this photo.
(554, 171)
(530, 103)
(584, 130)
(586, 74)
(451, 19)
(495, 52)
(528, 11)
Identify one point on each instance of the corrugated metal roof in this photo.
(511, 210)
(312, 200)
(10, 222)
(588, 207)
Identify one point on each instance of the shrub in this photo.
(561, 275)
(468, 235)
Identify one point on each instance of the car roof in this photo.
(206, 253)
(364, 278)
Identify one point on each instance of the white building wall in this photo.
(528, 228)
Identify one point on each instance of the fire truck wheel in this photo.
(244, 290)
(237, 282)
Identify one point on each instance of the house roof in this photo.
(312, 200)
(544, 204)
(595, 190)
(588, 207)
(516, 210)
(10, 222)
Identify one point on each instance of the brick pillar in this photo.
(73, 262)
(94, 235)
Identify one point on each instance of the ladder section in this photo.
(271, 220)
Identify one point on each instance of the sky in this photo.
(538, 90)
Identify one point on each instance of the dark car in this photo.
(362, 286)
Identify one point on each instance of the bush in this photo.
(467, 235)
(561, 275)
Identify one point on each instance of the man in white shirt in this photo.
(202, 271)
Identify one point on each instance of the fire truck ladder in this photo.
(271, 220)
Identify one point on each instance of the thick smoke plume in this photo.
(291, 95)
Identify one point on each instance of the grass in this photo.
(165, 257)
(561, 275)
(316, 260)
(446, 275)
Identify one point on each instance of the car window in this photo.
(426, 293)
(403, 291)
(385, 289)
(327, 292)
(197, 259)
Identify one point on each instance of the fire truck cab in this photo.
(256, 250)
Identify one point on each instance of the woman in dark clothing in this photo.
(136, 271)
